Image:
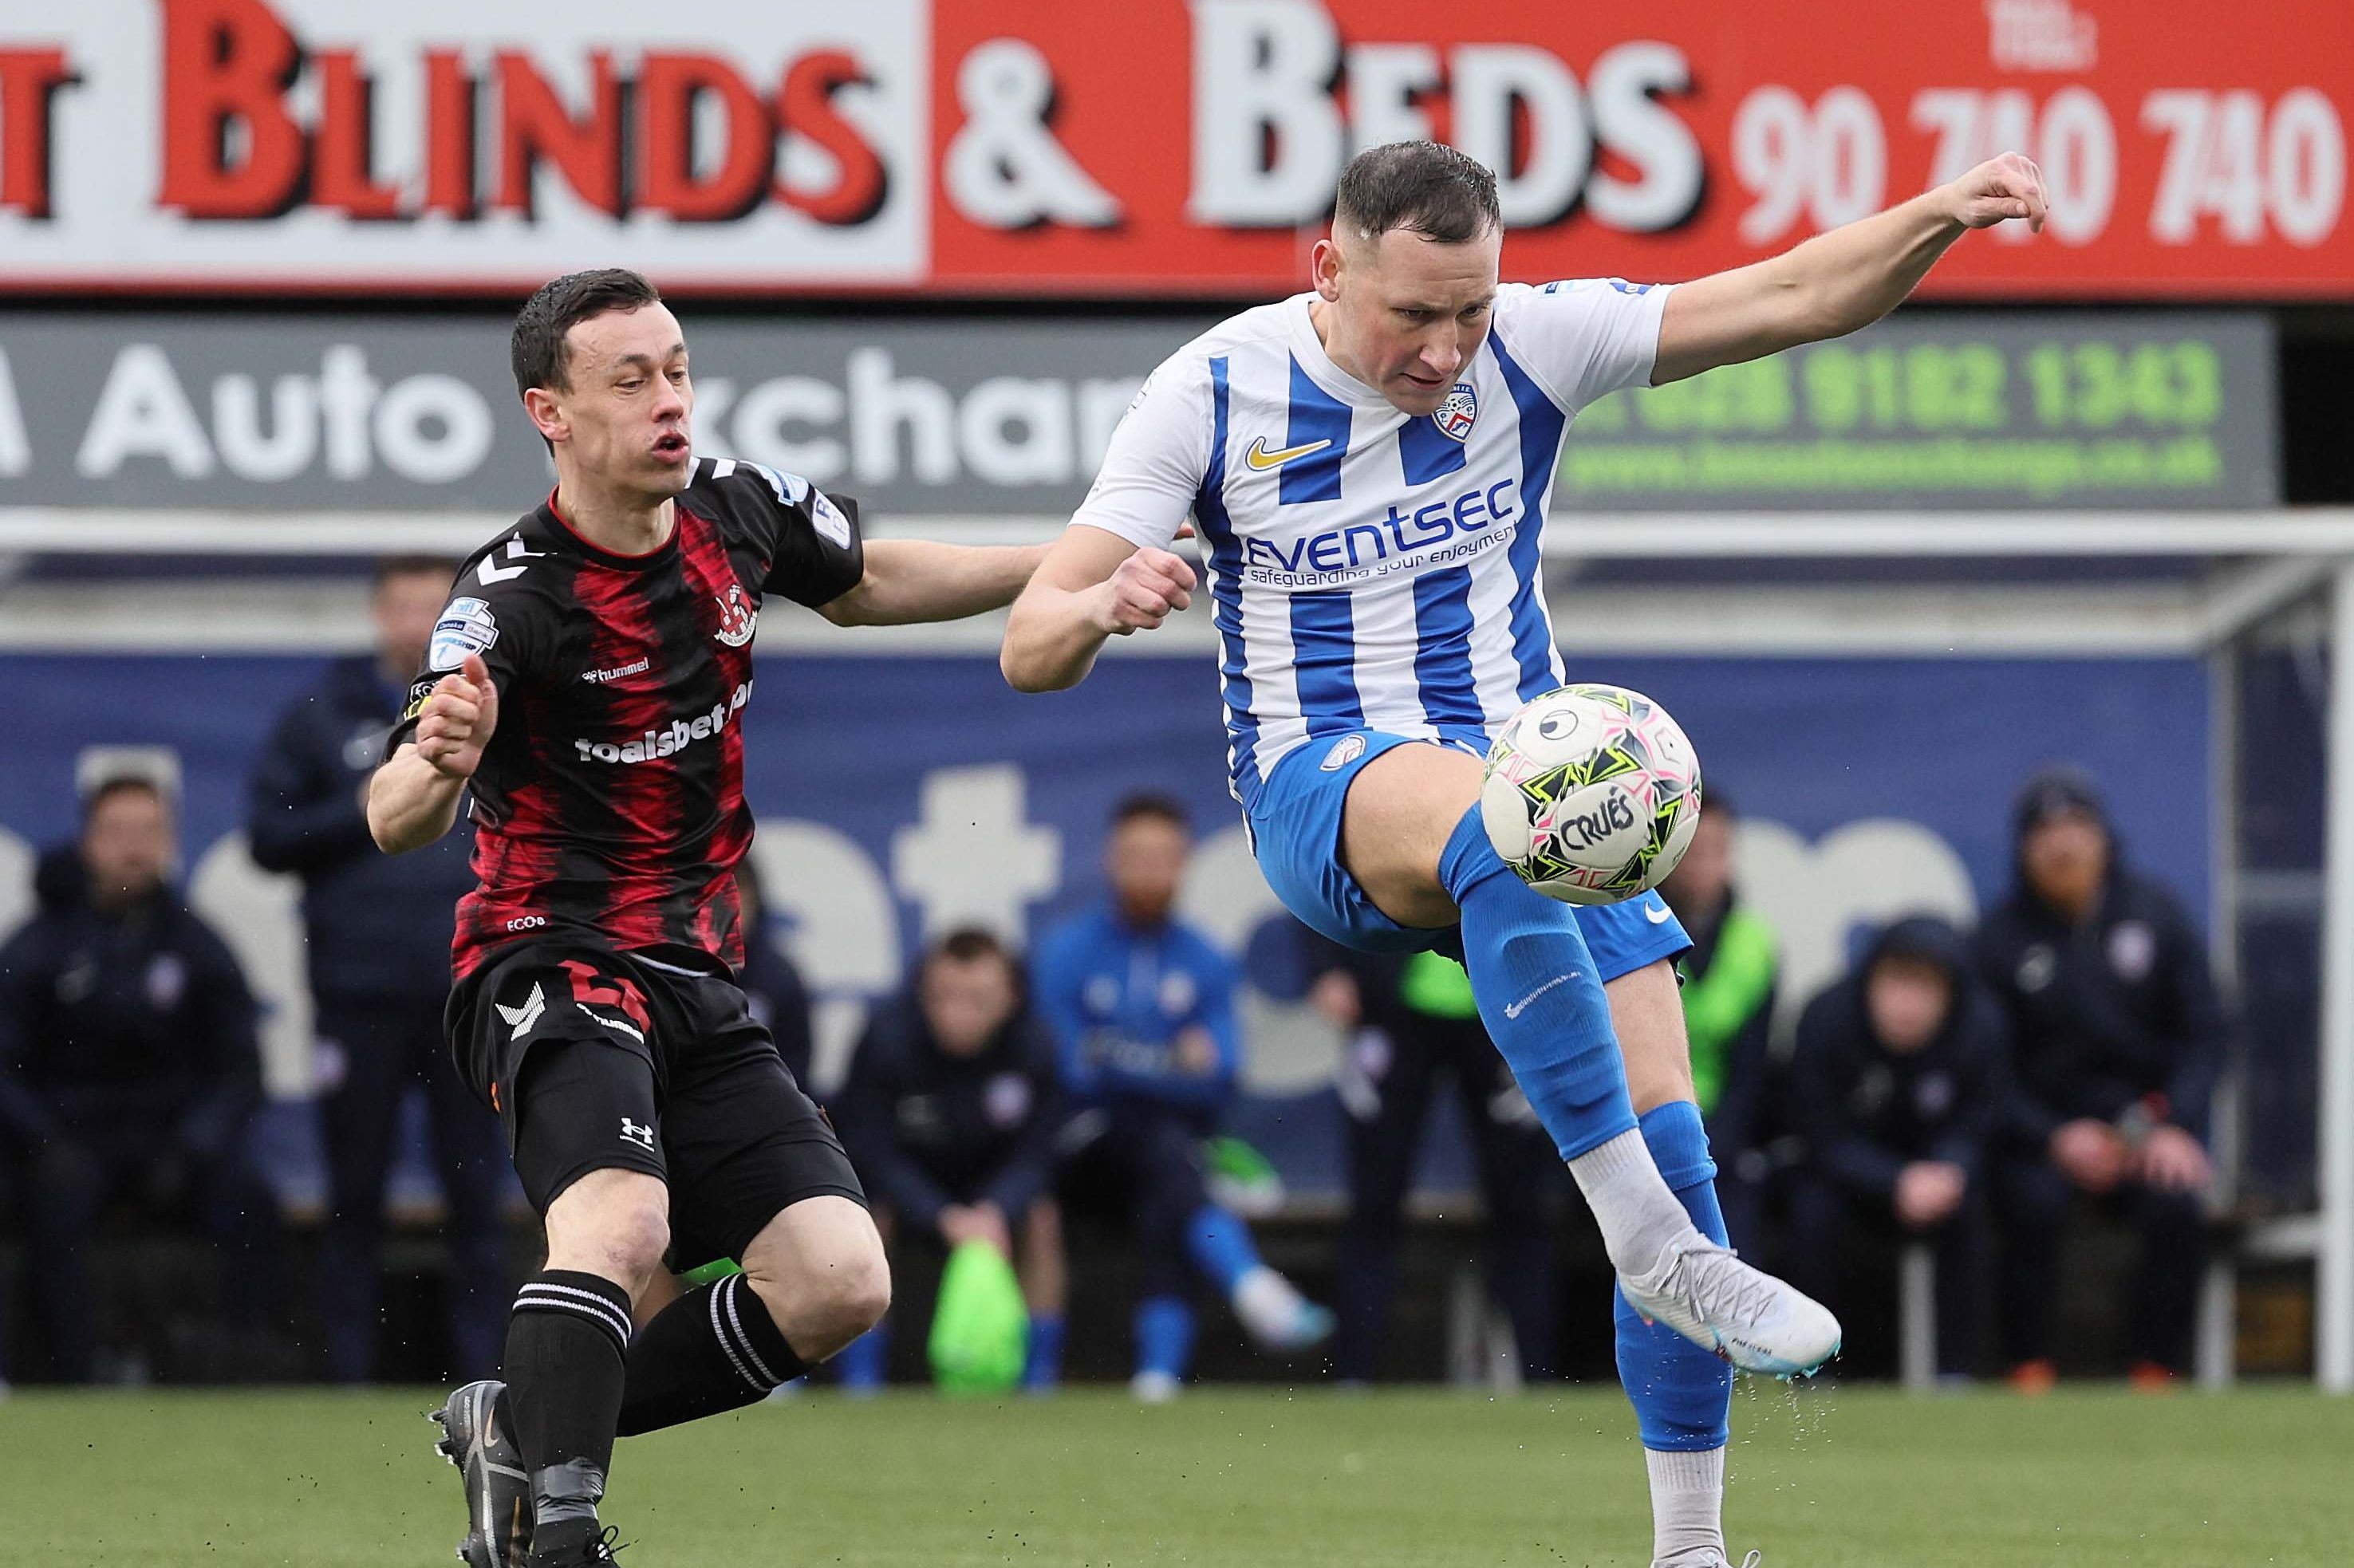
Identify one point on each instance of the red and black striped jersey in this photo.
(610, 800)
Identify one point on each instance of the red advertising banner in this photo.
(2194, 148)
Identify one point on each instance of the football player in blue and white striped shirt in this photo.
(1368, 464)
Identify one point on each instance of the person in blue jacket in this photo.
(1142, 1009)
(377, 934)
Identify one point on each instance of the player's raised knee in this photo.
(820, 1268)
(840, 1298)
(863, 1292)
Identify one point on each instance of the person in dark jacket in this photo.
(1898, 1082)
(1729, 976)
(2118, 1038)
(129, 1068)
(378, 928)
(772, 984)
(950, 1115)
(1408, 1021)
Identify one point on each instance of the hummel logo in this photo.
(1658, 914)
(631, 1029)
(1262, 460)
(524, 1017)
(637, 1132)
(1515, 1009)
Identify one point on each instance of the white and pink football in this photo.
(1592, 794)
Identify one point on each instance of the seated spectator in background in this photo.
(377, 929)
(1729, 979)
(2117, 1041)
(1899, 1080)
(772, 985)
(1407, 1018)
(950, 1114)
(1142, 1008)
(128, 1070)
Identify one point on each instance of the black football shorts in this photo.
(597, 1059)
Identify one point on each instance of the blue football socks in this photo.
(1221, 1247)
(1164, 1336)
(1538, 994)
(1682, 1395)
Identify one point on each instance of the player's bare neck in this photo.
(1319, 316)
(617, 524)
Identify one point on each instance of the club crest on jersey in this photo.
(1459, 413)
(466, 627)
(738, 618)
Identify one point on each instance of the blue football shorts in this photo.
(1295, 827)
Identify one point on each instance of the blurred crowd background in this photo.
(2022, 1008)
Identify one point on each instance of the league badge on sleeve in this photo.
(1459, 413)
(828, 519)
(466, 627)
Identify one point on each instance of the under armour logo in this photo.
(637, 1132)
(522, 1018)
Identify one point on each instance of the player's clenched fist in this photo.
(2002, 187)
(458, 720)
(1139, 595)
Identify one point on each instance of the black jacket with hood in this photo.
(2118, 1012)
(1868, 1111)
(928, 1129)
(134, 1017)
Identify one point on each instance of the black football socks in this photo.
(568, 1341)
(714, 1348)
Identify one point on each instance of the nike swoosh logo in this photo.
(1658, 914)
(1259, 458)
(1514, 1010)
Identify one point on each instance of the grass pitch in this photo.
(1224, 1479)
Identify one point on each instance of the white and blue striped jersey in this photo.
(1368, 568)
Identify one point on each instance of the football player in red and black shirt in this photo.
(588, 679)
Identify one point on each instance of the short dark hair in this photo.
(538, 347)
(1426, 187)
(1161, 808)
(969, 944)
(114, 784)
(416, 565)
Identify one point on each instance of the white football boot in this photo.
(1746, 1316)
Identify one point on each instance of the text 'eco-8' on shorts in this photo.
(1295, 827)
(598, 1060)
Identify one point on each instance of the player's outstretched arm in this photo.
(413, 799)
(909, 581)
(1093, 584)
(1838, 282)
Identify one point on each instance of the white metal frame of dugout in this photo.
(2281, 558)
